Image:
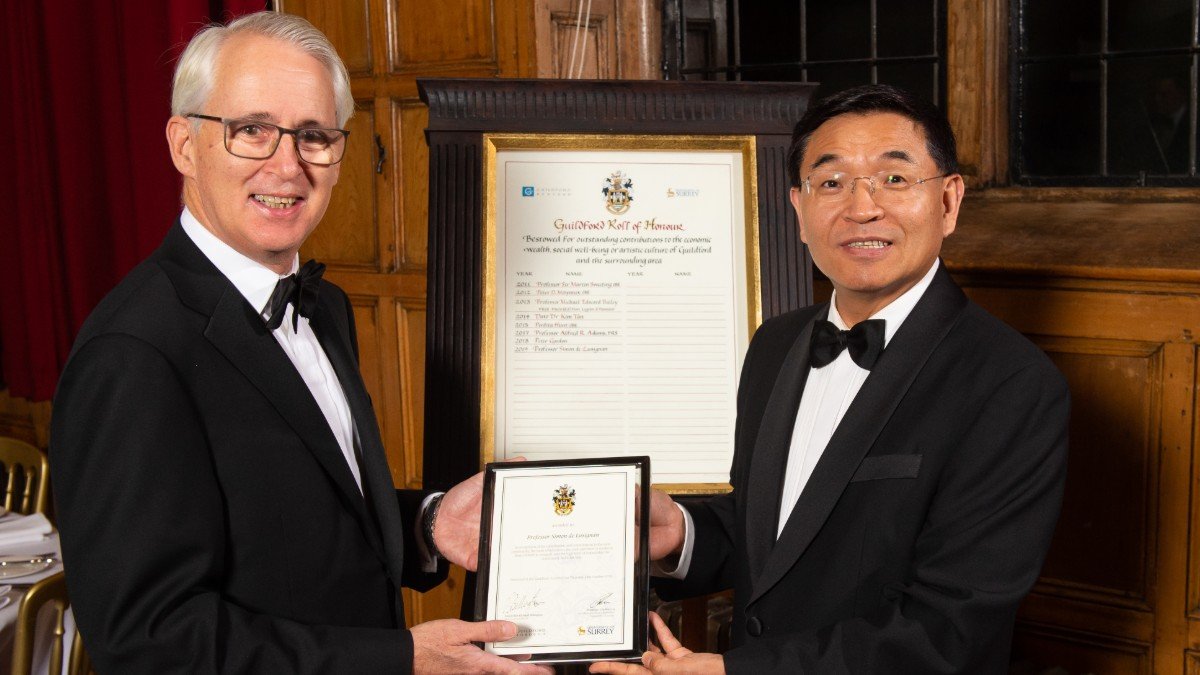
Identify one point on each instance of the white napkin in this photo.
(17, 529)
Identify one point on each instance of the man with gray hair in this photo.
(222, 491)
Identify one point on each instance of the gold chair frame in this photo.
(33, 495)
(51, 590)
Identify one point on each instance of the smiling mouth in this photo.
(869, 244)
(274, 202)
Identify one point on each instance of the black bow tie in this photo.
(865, 342)
(300, 289)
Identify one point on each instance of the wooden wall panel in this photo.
(446, 33)
(1106, 537)
(410, 325)
(577, 45)
(1039, 650)
(347, 236)
(411, 119)
(346, 23)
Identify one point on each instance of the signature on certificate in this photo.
(518, 601)
(602, 600)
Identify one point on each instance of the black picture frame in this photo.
(640, 574)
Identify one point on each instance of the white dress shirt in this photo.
(828, 392)
(256, 282)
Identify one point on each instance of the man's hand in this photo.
(456, 530)
(444, 646)
(672, 659)
(666, 526)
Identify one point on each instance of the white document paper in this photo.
(561, 564)
(620, 327)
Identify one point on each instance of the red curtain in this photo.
(90, 188)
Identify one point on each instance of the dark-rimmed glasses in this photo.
(883, 185)
(255, 139)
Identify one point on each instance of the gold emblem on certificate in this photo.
(618, 192)
(564, 500)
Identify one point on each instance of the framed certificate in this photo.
(621, 289)
(563, 554)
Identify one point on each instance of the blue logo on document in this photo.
(527, 191)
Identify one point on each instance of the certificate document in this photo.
(560, 558)
(624, 293)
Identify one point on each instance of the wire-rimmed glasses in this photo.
(838, 185)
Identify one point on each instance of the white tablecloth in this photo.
(8, 613)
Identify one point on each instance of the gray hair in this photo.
(194, 74)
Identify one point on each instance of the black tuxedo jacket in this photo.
(926, 519)
(209, 520)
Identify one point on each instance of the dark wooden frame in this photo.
(462, 110)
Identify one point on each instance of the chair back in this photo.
(26, 476)
(49, 591)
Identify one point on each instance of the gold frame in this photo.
(745, 144)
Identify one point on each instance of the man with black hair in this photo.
(900, 454)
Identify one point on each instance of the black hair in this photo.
(870, 98)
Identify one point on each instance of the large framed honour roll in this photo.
(563, 554)
(621, 288)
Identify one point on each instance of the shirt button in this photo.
(754, 627)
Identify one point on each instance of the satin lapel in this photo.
(890, 379)
(767, 465)
(376, 475)
(241, 336)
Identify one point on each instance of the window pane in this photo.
(835, 78)
(1149, 116)
(839, 30)
(905, 27)
(770, 33)
(918, 78)
(1137, 24)
(1060, 119)
(1061, 26)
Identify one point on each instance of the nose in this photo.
(286, 162)
(862, 206)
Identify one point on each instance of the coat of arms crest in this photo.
(618, 192)
(564, 500)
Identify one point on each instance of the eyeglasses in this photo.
(254, 139)
(835, 185)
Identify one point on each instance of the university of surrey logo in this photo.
(618, 192)
(564, 500)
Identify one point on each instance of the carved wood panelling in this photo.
(626, 107)
(1105, 542)
(411, 119)
(583, 47)
(410, 326)
(1042, 649)
(347, 25)
(433, 36)
(347, 237)
(574, 43)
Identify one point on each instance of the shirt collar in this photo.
(253, 280)
(895, 312)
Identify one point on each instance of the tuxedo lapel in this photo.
(909, 349)
(767, 465)
(236, 331)
(377, 477)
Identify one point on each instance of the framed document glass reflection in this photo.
(621, 289)
(563, 554)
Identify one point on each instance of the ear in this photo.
(182, 145)
(952, 194)
(794, 196)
